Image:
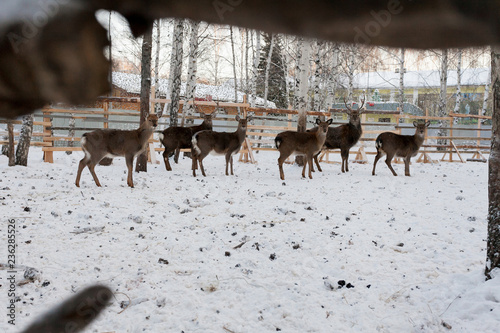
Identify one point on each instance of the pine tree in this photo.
(277, 83)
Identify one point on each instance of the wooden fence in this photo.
(51, 130)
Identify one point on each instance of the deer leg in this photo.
(130, 161)
(165, 158)
(281, 159)
(310, 162)
(91, 166)
(194, 164)
(407, 166)
(317, 162)
(228, 158)
(200, 161)
(83, 163)
(388, 162)
(176, 157)
(377, 157)
(304, 169)
(231, 161)
(345, 158)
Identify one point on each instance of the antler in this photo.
(348, 108)
(362, 104)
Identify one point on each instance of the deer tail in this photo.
(278, 141)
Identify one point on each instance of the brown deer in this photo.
(221, 143)
(301, 143)
(176, 138)
(405, 146)
(113, 143)
(344, 136)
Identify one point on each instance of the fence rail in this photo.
(53, 132)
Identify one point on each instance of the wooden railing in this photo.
(260, 135)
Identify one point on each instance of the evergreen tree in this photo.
(277, 81)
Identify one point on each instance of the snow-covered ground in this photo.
(251, 253)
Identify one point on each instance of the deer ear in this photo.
(237, 118)
(214, 114)
(427, 123)
(318, 121)
(415, 123)
(330, 121)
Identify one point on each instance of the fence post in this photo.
(48, 156)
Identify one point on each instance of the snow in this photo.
(225, 92)
(412, 247)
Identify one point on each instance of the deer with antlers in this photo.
(344, 136)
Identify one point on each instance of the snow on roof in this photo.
(132, 83)
(419, 79)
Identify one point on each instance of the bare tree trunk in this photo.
(305, 55)
(188, 110)
(268, 67)
(442, 96)
(256, 58)
(332, 78)
(350, 72)
(493, 243)
(234, 65)
(23, 147)
(246, 62)
(458, 98)
(401, 80)
(486, 93)
(158, 109)
(142, 160)
(176, 70)
(71, 132)
(316, 79)
(284, 61)
(10, 129)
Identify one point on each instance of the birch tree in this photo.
(442, 95)
(350, 71)
(174, 86)
(10, 154)
(234, 64)
(256, 58)
(147, 41)
(268, 67)
(189, 109)
(303, 84)
(493, 242)
(23, 147)
(486, 92)
(401, 80)
(158, 109)
(316, 78)
(458, 92)
(332, 78)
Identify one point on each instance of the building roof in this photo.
(419, 79)
(132, 84)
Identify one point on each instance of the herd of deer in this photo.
(202, 140)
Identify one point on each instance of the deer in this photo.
(301, 143)
(113, 143)
(176, 138)
(344, 136)
(405, 146)
(220, 143)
